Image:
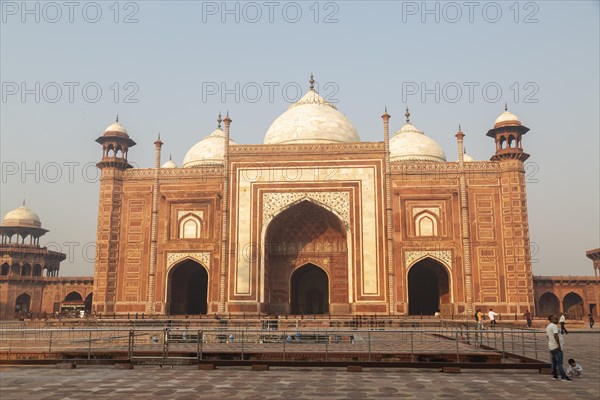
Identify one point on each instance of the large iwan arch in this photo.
(314, 238)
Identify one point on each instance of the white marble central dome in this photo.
(22, 217)
(411, 144)
(311, 120)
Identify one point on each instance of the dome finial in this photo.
(170, 156)
(312, 82)
(505, 106)
(407, 115)
(117, 119)
(23, 202)
(219, 120)
(459, 127)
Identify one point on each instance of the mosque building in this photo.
(316, 221)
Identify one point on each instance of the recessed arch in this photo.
(187, 288)
(426, 224)
(73, 296)
(88, 302)
(573, 305)
(5, 269)
(548, 304)
(26, 270)
(429, 287)
(309, 290)
(190, 226)
(23, 303)
(37, 270)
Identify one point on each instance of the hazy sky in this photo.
(68, 68)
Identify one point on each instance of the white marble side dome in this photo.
(22, 217)
(507, 118)
(210, 150)
(169, 164)
(411, 144)
(467, 158)
(116, 127)
(311, 120)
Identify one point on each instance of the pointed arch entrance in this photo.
(428, 287)
(23, 303)
(310, 290)
(548, 305)
(296, 241)
(187, 291)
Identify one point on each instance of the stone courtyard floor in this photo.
(186, 382)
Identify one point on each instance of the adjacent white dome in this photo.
(169, 164)
(411, 144)
(22, 217)
(507, 116)
(210, 150)
(311, 120)
(467, 158)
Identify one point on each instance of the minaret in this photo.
(465, 228)
(225, 214)
(115, 146)
(154, 227)
(508, 132)
(388, 214)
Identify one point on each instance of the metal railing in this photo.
(447, 341)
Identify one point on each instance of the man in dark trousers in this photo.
(562, 321)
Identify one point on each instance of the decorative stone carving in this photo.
(433, 210)
(199, 214)
(199, 171)
(445, 256)
(307, 147)
(334, 201)
(201, 256)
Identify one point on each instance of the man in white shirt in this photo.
(555, 345)
(562, 321)
(492, 316)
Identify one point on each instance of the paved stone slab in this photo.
(187, 382)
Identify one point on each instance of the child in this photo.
(574, 369)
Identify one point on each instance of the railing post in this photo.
(90, 345)
(201, 338)
(50, 343)
(242, 344)
(535, 344)
(412, 347)
(523, 341)
(369, 342)
(457, 347)
(130, 348)
(503, 349)
(198, 350)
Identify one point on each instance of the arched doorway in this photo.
(573, 305)
(428, 287)
(548, 304)
(88, 302)
(73, 296)
(310, 290)
(306, 233)
(23, 303)
(188, 289)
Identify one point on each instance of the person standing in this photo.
(492, 316)
(555, 345)
(527, 316)
(562, 321)
(591, 319)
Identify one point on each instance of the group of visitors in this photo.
(480, 317)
